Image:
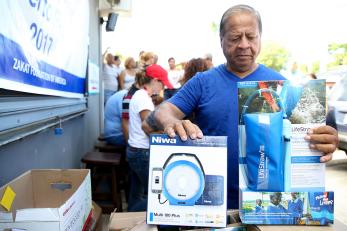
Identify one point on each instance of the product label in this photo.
(306, 169)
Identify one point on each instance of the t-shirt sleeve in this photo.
(187, 98)
(125, 106)
(144, 102)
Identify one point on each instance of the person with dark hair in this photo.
(192, 67)
(151, 81)
(213, 96)
(175, 76)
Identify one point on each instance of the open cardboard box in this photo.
(130, 221)
(49, 199)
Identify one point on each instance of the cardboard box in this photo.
(187, 181)
(94, 222)
(129, 221)
(54, 200)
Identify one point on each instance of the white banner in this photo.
(44, 46)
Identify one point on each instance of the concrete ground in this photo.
(336, 180)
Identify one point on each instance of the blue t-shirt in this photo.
(296, 207)
(213, 96)
(113, 115)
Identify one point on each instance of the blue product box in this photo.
(281, 179)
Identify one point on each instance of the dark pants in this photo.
(138, 160)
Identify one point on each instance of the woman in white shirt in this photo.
(110, 72)
(151, 81)
(127, 76)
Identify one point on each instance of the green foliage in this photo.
(315, 67)
(338, 53)
(274, 56)
(214, 27)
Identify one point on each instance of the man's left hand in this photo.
(324, 139)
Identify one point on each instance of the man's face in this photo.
(241, 42)
(172, 64)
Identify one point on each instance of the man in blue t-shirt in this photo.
(212, 95)
(113, 121)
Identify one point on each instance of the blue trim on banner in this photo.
(14, 66)
(305, 159)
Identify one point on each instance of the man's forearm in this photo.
(164, 115)
(150, 124)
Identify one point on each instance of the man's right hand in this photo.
(169, 118)
(183, 128)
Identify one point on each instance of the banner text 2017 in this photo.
(42, 40)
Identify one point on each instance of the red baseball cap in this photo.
(157, 72)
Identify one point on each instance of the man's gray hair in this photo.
(237, 9)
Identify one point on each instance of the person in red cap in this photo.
(151, 81)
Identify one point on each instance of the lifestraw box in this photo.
(281, 178)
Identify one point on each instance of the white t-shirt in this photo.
(174, 78)
(139, 102)
(128, 80)
(110, 77)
